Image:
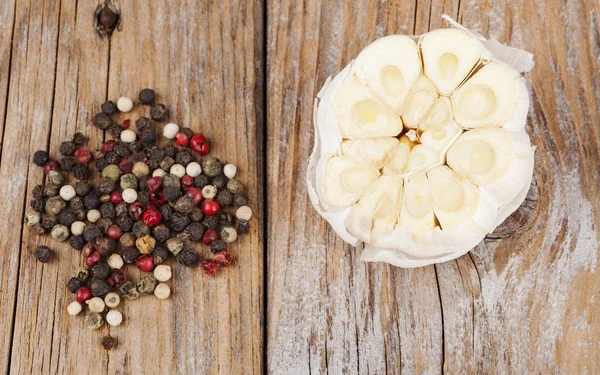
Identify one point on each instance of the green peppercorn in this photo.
(212, 166)
(128, 181)
(111, 173)
(129, 291)
(102, 121)
(170, 180)
(146, 285)
(55, 178)
(59, 232)
(93, 321)
(81, 273)
(175, 245)
(235, 186)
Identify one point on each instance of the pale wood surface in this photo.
(524, 301)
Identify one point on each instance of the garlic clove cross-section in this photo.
(389, 67)
(420, 148)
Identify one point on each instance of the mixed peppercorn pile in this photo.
(151, 202)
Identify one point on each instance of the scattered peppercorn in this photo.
(129, 291)
(209, 267)
(73, 284)
(43, 254)
(116, 278)
(93, 320)
(67, 163)
(211, 222)
(195, 231)
(212, 166)
(115, 131)
(108, 342)
(102, 121)
(147, 284)
(91, 233)
(40, 158)
(159, 112)
(147, 96)
(224, 259)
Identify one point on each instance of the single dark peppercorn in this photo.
(147, 96)
(171, 193)
(79, 139)
(104, 223)
(102, 121)
(144, 123)
(156, 153)
(217, 246)
(112, 157)
(220, 181)
(140, 229)
(187, 257)
(179, 221)
(38, 192)
(38, 205)
(184, 157)
(143, 197)
(81, 214)
(101, 163)
(105, 245)
(136, 146)
(67, 148)
(243, 226)
(77, 242)
(166, 163)
(40, 158)
(127, 240)
(159, 112)
(67, 163)
(91, 200)
(225, 218)
(107, 210)
(48, 221)
(50, 190)
(73, 284)
(170, 150)
(109, 108)
(76, 204)
(99, 287)
(160, 253)
(196, 214)
(121, 149)
(195, 231)
(82, 188)
(240, 199)
(100, 271)
(91, 233)
(130, 254)
(148, 136)
(161, 232)
(43, 254)
(80, 171)
(142, 183)
(125, 223)
(129, 291)
(108, 342)
(166, 211)
(121, 209)
(115, 131)
(106, 187)
(184, 205)
(188, 132)
(224, 198)
(211, 222)
(67, 217)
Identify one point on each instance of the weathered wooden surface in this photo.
(526, 299)
(205, 60)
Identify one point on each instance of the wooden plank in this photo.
(524, 300)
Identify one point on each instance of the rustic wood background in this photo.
(299, 301)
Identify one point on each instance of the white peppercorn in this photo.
(95, 304)
(33, 218)
(170, 130)
(193, 169)
(128, 136)
(124, 104)
(93, 215)
(112, 300)
(244, 213)
(114, 318)
(177, 170)
(162, 291)
(209, 192)
(229, 234)
(67, 192)
(162, 273)
(229, 170)
(115, 261)
(159, 173)
(77, 227)
(74, 308)
(129, 195)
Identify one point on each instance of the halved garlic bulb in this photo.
(420, 166)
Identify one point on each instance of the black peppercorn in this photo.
(109, 108)
(179, 221)
(100, 270)
(106, 187)
(225, 218)
(67, 217)
(148, 136)
(156, 154)
(48, 221)
(76, 203)
(143, 197)
(51, 190)
(105, 245)
(40, 158)
(210, 222)
(125, 223)
(140, 229)
(91, 233)
(140, 156)
(161, 232)
(130, 254)
(101, 163)
(67, 163)
(217, 246)
(160, 253)
(166, 163)
(102, 121)
(115, 131)
(67, 148)
(187, 131)
(38, 205)
(99, 287)
(73, 284)
(79, 139)
(196, 214)
(107, 210)
(171, 193)
(170, 150)
(184, 157)
(77, 242)
(43, 254)
(184, 205)
(82, 188)
(201, 181)
(121, 149)
(243, 226)
(147, 96)
(136, 146)
(224, 198)
(239, 199)
(144, 123)
(187, 257)
(166, 211)
(220, 181)
(127, 240)
(194, 231)
(121, 209)
(159, 112)
(104, 223)
(108, 342)
(112, 158)
(38, 192)
(91, 201)
(80, 171)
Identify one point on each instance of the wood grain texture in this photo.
(526, 299)
(206, 62)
